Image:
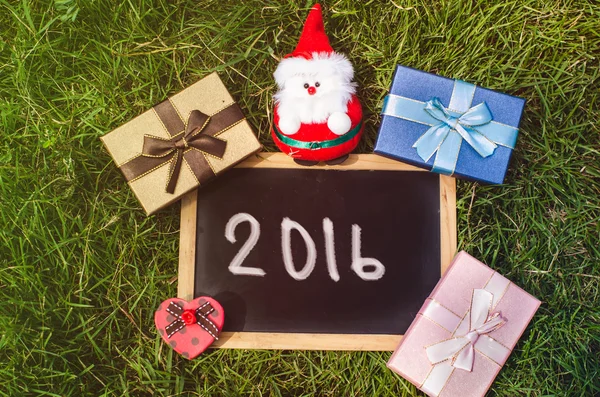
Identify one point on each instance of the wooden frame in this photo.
(264, 340)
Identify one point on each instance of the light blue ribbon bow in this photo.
(478, 115)
(450, 126)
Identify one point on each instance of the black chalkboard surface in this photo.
(319, 250)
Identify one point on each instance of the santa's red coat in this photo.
(320, 133)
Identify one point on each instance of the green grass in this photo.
(82, 268)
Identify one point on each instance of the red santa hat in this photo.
(313, 53)
(313, 37)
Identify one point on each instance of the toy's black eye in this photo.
(305, 85)
(317, 84)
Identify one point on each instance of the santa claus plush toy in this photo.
(317, 115)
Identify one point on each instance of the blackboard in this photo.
(313, 251)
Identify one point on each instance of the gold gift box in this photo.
(129, 143)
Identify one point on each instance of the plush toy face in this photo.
(311, 90)
(313, 85)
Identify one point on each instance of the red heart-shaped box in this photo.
(192, 339)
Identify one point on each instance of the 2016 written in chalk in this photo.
(368, 269)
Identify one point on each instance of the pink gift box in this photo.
(464, 332)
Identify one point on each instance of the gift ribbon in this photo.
(450, 126)
(469, 334)
(460, 349)
(184, 318)
(314, 145)
(191, 142)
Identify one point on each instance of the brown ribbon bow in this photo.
(190, 142)
(176, 147)
(189, 317)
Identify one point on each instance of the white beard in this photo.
(312, 110)
(330, 76)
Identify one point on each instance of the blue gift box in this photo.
(449, 126)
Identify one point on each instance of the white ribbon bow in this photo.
(460, 349)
